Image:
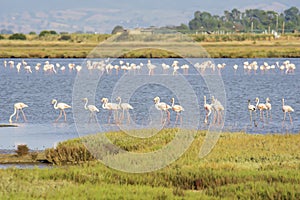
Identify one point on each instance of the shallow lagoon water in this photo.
(39, 88)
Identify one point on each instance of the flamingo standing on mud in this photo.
(17, 108)
(61, 106)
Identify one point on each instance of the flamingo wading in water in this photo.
(162, 106)
(125, 107)
(287, 109)
(17, 108)
(93, 109)
(178, 109)
(61, 107)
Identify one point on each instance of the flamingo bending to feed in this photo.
(178, 109)
(62, 107)
(287, 109)
(125, 107)
(208, 109)
(162, 106)
(111, 107)
(92, 108)
(17, 108)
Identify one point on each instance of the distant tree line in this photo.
(252, 20)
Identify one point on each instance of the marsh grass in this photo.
(240, 166)
(153, 46)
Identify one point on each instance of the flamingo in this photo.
(269, 107)
(218, 108)
(91, 108)
(235, 67)
(111, 107)
(62, 107)
(261, 107)
(251, 108)
(162, 106)
(17, 108)
(28, 69)
(165, 67)
(125, 107)
(151, 67)
(287, 109)
(208, 109)
(178, 109)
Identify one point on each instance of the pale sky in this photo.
(130, 13)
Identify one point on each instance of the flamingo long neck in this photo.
(120, 101)
(15, 112)
(86, 102)
(104, 104)
(204, 100)
(172, 102)
(257, 102)
(55, 105)
(282, 102)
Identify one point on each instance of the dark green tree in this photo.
(117, 29)
(17, 36)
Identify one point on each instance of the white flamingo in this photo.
(61, 107)
(17, 108)
(261, 107)
(269, 107)
(92, 108)
(287, 109)
(208, 109)
(178, 109)
(163, 107)
(151, 67)
(111, 107)
(251, 109)
(125, 107)
(218, 110)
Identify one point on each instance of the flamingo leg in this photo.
(17, 116)
(250, 112)
(109, 115)
(60, 114)
(23, 115)
(176, 118)
(65, 115)
(168, 117)
(128, 117)
(291, 118)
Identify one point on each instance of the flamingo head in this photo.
(84, 99)
(156, 99)
(103, 100)
(53, 101)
